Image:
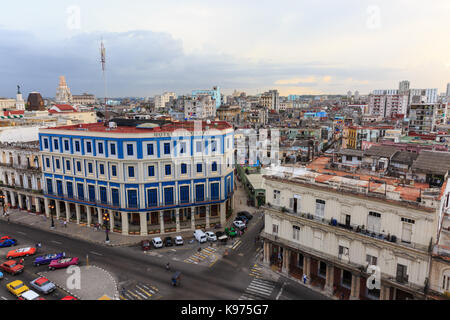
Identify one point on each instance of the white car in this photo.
(29, 295)
(239, 224)
(157, 242)
(210, 236)
(179, 241)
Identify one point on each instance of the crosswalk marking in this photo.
(258, 289)
(139, 291)
(145, 292)
(204, 254)
(237, 244)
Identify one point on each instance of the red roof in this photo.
(13, 112)
(62, 108)
(185, 125)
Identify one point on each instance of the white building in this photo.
(202, 107)
(63, 94)
(161, 100)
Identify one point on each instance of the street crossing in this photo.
(139, 291)
(205, 254)
(256, 271)
(236, 244)
(259, 289)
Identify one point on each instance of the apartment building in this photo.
(331, 225)
(151, 177)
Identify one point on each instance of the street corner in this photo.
(85, 282)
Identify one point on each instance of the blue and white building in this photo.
(149, 178)
(214, 93)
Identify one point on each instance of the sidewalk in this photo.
(77, 231)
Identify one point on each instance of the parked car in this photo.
(247, 214)
(5, 238)
(239, 224)
(157, 242)
(145, 245)
(1, 275)
(200, 236)
(63, 263)
(22, 252)
(17, 287)
(242, 218)
(168, 242)
(43, 285)
(179, 241)
(7, 243)
(69, 298)
(46, 259)
(30, 295)
(230, 232)
(221, 236)
(210, 236)
(12, 267)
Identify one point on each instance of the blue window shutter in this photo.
(168, 196)
(168, 170)
(100, 148)
(200, 192)
(166, 148)
(151, 171)
(69, 189)
(59, 187)
(80, 189)
(113, 149)
(184, 194)
(91, 193)
(103, 195)
(152, 197)
(115, 197)
(150, 149)
(183, 168)
(129, 149)
(214, 191)
(132, 198)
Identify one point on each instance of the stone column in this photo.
(208, 214)
(78, 212)
(329, 279)
(58, 209)
(307, 265)
(13, 199)
(286, 258)
(5, 193)
(161, 221)
(125, 223)
(29, 201)
(223, 214)
(266, 252)
(47, 209)
(88, 214)
(143, 222)
(99, 216)
(20, 201)
(37, 203)
(193, 218)
(354, 294)
(111, 221)
(67, 211)
(177, 218)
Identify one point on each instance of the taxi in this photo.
(17, 288)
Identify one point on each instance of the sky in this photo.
(297, 47)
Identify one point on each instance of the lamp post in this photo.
(51, 207)
(106, 223)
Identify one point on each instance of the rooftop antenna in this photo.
(103, 61)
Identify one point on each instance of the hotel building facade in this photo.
(149, 178)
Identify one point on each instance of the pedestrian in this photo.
(304, 278)
(65, 224)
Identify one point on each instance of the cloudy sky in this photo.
(297, 47)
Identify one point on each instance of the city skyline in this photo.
(155, 48)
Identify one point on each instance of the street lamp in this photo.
(106, 223)
(51, 207)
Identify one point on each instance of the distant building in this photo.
(63, 94)
(214, 93)
(270, 100)
(35, 102)
(424, 117)
(403, 86)
(161, 100)
(202, 107)
(7, 103)
(448, 90)
(84, 98)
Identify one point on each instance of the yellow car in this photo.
(17, 288)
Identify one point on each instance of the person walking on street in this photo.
(304, 278)
(65, 224)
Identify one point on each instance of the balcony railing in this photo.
(359, 229)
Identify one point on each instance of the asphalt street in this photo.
(228, 278)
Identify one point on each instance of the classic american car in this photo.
(12, 267)
(43, 285)
(46, 259)
(21, 252)
(30, 295)
(63, 263)
(69, 298)
(7, 243)
(5, 238)
(17, 288)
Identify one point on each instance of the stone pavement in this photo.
(94, 282)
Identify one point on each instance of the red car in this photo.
(12, 267)
(63, 263)
(69, 298)
(21, 252)
(5, 238)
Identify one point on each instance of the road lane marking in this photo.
(96, 253)
(4, 298)
(22, 233)
(57, 242)
(281, 290)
